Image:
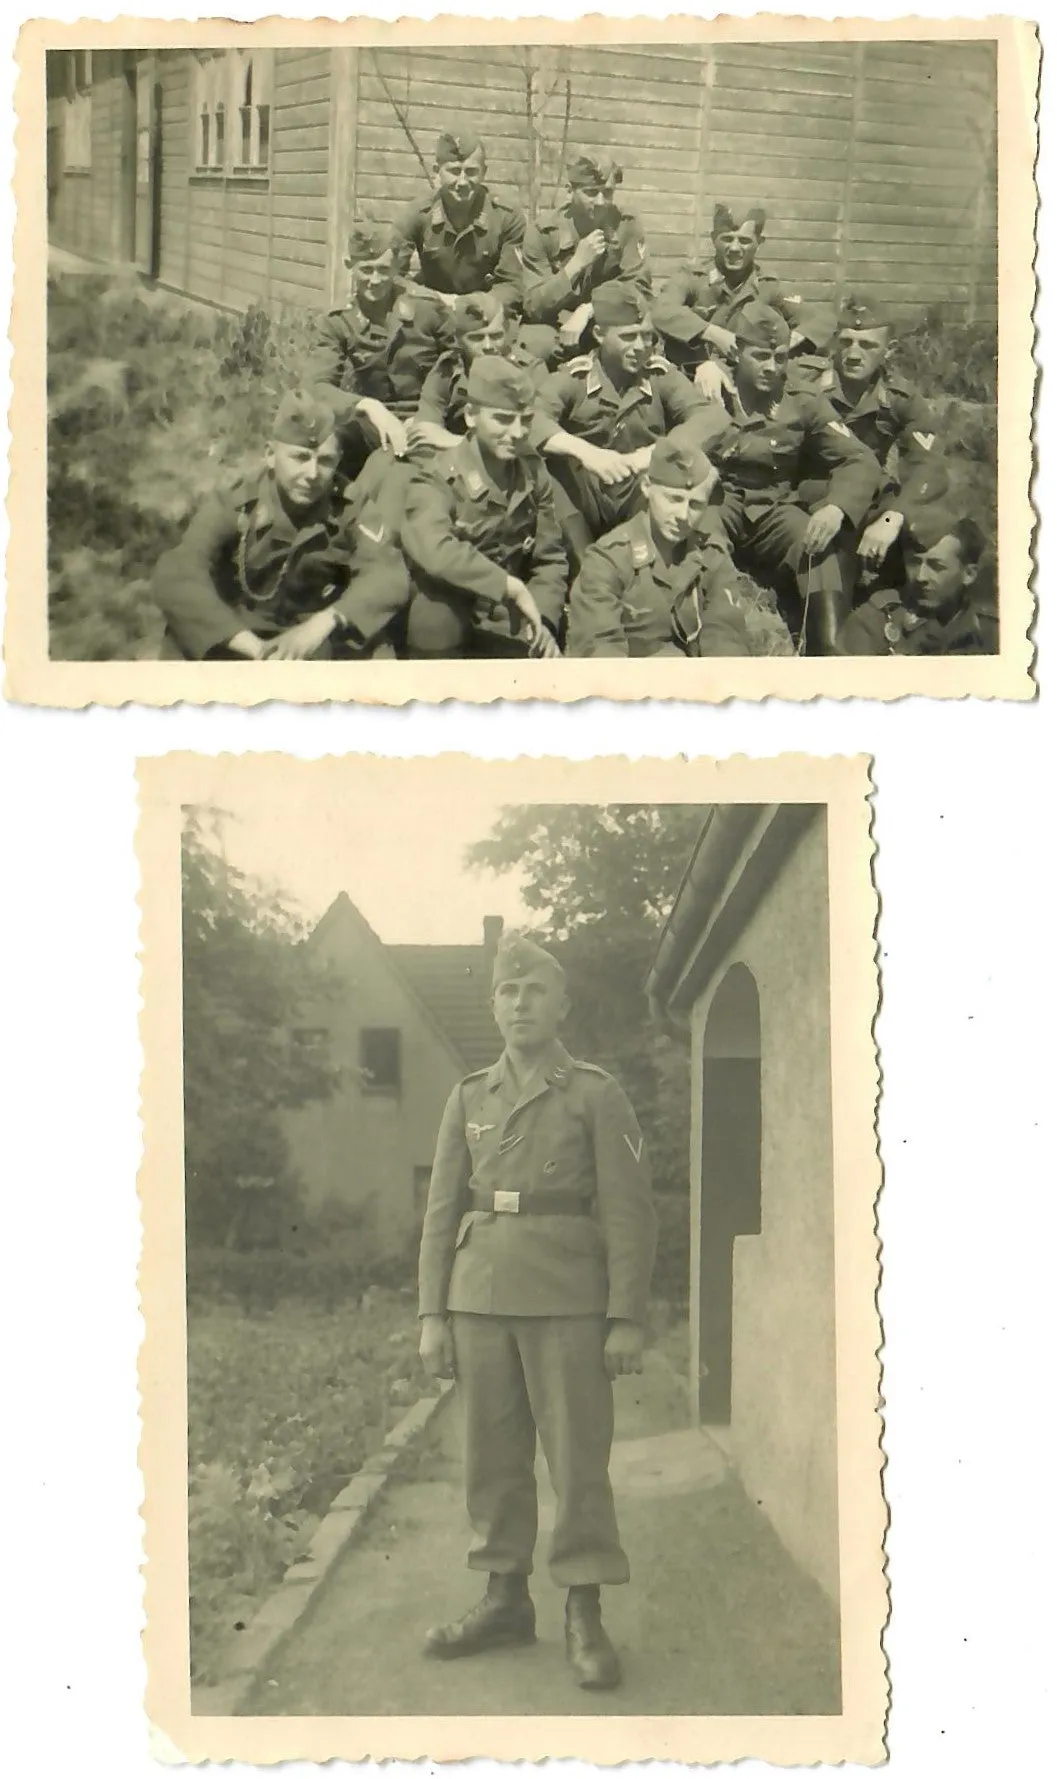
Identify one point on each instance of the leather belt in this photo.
(531, 1204)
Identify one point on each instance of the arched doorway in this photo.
(730, 1175)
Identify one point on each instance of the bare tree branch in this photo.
(401, 115)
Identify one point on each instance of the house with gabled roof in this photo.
(403, 1023)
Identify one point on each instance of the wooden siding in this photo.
(93, 206)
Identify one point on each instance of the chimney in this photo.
(493, 929)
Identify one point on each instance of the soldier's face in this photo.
(592, 205)
(304, 474)
(938, 575)
(374, 279)
(501, 431)
(736, 249)
(485, 341)
(763, 368)
(861, 352)
(461, 182)
(625, 348)
(676, 513)
(529, 1009)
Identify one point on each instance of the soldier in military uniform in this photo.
(537, 1249)
(654, 586)
(888, 414)
(481, 327)
(466, 239)
(288, 565)
(936, 612)
(695, 310)
(765, 443)
(480, 535)
(372, 356)
(599, 416)
(589, 241)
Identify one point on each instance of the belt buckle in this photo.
(509, 1202)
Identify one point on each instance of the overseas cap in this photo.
(474, 310)
(518, 957)
(617, 304)
(728, 217)
(673, 465)
(303, 419)
(536, 342)
(593, 169)
(861, 313)
(928, 525)
(456, 145)
(496, 383)
(759, 325)
(815, 324)
(368, 240)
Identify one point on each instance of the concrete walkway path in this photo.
(717, 1619)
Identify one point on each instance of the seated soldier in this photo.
(694, 311)
(290, 565)
(885, 411)
(654, 586)
(372, 357)
(936, 611)
(589, 241)
(479, 533)
(466, 239)
(481, 326)
(599, 417)
(767, 440)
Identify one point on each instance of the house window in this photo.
(233, 111)
(209, 112)
(380, 1059)
(77, 131)
(252, 83)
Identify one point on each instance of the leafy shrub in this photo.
(944, 357)
(263, 1280)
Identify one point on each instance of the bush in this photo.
(262, 1280)
(944, 357)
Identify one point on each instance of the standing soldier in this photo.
(286, 566)
(372, 356)
(655, 586)
(764, 445)
(466, 240)
(600, 416)
(537, 1250)
(694, 311)
(479, 532)
(936, 611)
(587, 242)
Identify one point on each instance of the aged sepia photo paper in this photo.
(492, 360)
(509, 1193)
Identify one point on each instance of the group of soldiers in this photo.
(511, 443)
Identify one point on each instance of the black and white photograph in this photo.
(379, 369)
(509, 1203)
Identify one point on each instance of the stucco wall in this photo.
(782, 1430)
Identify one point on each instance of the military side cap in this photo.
(368, 240)
(928, 524)
(477, 309)
(815, 324)
(496, 383)
(617, 304)
(593, 169)
(303, 419)
(728, 217)
(861, 313)
(456, 145)
(759, 325)
(674, 465)
(538, 342)
(517, 956)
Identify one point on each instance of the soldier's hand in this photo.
(623, 1351)
(878, 538)
(570, 331)
(722, 339)
(432, 435)
(544, 646)
(709, 378)
(303, 639)
(518, 595)
(588, 249)
(391, 432)
(244, 643)
(822, 528)
(436, 1348)
(609, 467)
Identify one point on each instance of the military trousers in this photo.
(770, 540)
(520, 1377)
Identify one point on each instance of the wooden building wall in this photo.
(92, 214)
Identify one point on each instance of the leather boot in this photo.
(589, 1652)
(506, 1616)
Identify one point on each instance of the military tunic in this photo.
(443, 398)
(245, 564)
(488, 253)
(888, 624)
(463, 535)
(698, 295)
(386, 360)
(551, 292)
(625, 599)
(897, 424)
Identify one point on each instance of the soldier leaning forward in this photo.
(937, 611)
(290, 564)
(589, 241)
(535, 1262)
(654, 586)
(480, 535)
(764, 444)
(465, 239)
(482, 328)
(695, 310)
(599, 417)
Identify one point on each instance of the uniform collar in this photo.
(871, 399)
(269, 516)
(479, 223)
(554, 1069)
(732, 292)
(470, 464)
(598, 383)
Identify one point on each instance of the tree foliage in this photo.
(247, 982)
